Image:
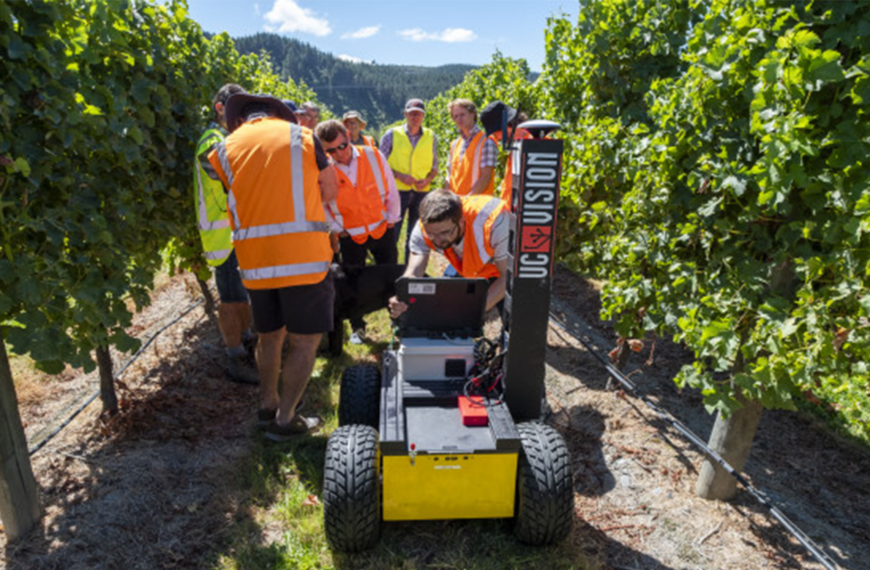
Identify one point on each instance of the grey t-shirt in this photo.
(499, 237)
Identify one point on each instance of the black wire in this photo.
(487, 363)
(133, 358)
(795, 531)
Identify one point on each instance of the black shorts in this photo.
(302, 309)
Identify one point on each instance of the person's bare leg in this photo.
(244, 316)
(233, 318)
(297, 373)
(269, 365)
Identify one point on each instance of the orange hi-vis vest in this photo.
(465, 171)
(361, 210)
(279, 225)
(506, 188)
(366, 141)
(480, 213)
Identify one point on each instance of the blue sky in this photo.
(408, 32)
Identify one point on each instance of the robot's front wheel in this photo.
(351, 489)
(545, 491)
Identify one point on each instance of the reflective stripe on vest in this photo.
(203, 222)
(225, 163)
(479, 223)
(358, 231)
(218, 255)
(336, 213)
(375, 165)
(283, 228)
(291, 270)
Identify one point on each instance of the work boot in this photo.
(249, 342)
(240, 369)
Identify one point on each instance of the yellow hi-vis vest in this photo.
(416, 161)
(211, 205)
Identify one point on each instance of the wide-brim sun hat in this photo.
(491, 116)
(237, 105)
(354, 115)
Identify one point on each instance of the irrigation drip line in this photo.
(791, 527)
(132, 359)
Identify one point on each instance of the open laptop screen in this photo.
(442, 305)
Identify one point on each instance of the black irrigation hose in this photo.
(133, 358)
(795, 531)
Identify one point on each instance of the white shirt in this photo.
(391, 199)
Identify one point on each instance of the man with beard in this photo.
(445, 222)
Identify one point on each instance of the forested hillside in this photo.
(377, 91)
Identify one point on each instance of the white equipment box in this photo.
(435, 359)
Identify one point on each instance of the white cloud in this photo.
(449, 35)
(257, 8)
(361, 33)
(288, 16)
(352, 59)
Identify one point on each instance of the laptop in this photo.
(439, 306)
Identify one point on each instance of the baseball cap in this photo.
(415, 105)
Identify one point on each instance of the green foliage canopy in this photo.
(734, 191)
(102, 104)
(595, 80)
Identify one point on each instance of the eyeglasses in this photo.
(342, 146)
(444, 235)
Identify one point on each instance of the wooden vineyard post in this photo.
(107, 380)
(731, 439)
(206, 294)
(19, 496)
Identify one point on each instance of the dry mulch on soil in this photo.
(635, 474)
(158, 487)
(153, 487)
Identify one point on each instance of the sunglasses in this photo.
(342, 146)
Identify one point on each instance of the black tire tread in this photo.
(545, 490)
(351, 489)
(359, 400)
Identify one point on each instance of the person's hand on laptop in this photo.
(397, 308)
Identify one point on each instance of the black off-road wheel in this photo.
(359, 401)
(545, 491)
(351, 489)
